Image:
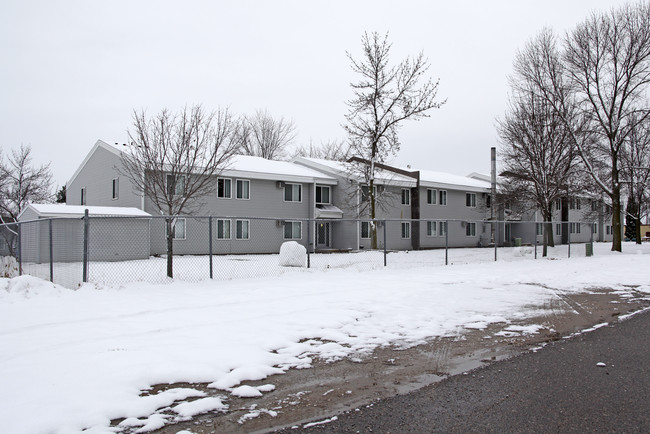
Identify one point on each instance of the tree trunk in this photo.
(373, 226)
(637, 220)
(616, 209)
(170, 247)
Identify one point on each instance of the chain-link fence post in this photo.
(446, 242)
(308, 241)
(385, 252)
(85, 251)
(51, 252)
(568, 240)
(19, 249)
(210, 243)
(496, 238)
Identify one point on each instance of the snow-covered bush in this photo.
(292, 254)
(8, 266)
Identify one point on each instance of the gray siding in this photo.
(97, 177)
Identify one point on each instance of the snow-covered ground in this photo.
(75, 359)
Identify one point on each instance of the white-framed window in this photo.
(558, 204)
(470, 229)
(442, 229)
(442, 197)
(223, 229)
(431, 196)
(115, 188)
(558, 229)
(432, 229)
(539, 229)
(242, 229)
(574, 228)
(608, 230)
(365, 230)
(178, 227)
(292, 230)
(224, 188)
(595, 228)
(83, 196)
(365, 192)
(243, 189)
(323, 194)
(292, 192)
(406, 196)
(470, 200)
(175, 185)
(406, 230)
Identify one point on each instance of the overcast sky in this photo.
(73, 72)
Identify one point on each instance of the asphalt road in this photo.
(559, 388)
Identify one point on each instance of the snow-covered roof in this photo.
(63, 210)
(429, 178)
(261, 168)
(339, 168)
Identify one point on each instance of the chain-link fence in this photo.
(115, 250)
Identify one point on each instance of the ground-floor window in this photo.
(365, 230)
(178, 228)
(241, 229)
(540, 228)
(558, 229)
(432, 229)
(292, 230)
(406, 230)
(442, 229)
(574, 228)
(223, 229)
(470, 229)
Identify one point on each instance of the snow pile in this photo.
(292, 254)
(76, 359)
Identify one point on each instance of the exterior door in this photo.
(322, 234)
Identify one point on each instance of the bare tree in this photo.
(20, 184)
(174, 160)
(384, 97)
(263, 136)
(538, 155)
(636, 172)
(333, 150)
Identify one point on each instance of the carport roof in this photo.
(62, 210)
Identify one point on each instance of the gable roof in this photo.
(343, 169)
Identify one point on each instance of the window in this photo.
(470, 229)
(178, 227)
(558, 229)
(595, 228)
(223, 229)
(577, 203)
(574, 228)
(83, 195)
(539, 229)
(558, 204)
(432, 229)
(406, 196)
(292, 230)
(572, 203)
(594, 205)
(241, 229)
(224, 188)
(406, 230)
(470, 200)
(293, 192)
(322, 194)
(608, 229)
(442, 196)
(365, 230)
(175, 186)
(116, 188)
(488, 201)
(431, 196)
(442, 226)
(243, 189)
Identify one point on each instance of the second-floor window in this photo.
(115, 186)
(322, 194)
(431, 196)
(176, 185)
(406, 196)
(243, 187)
(224, 188)
(442, 197)
(470, 200)
(292, 192)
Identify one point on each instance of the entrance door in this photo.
(322, 234)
